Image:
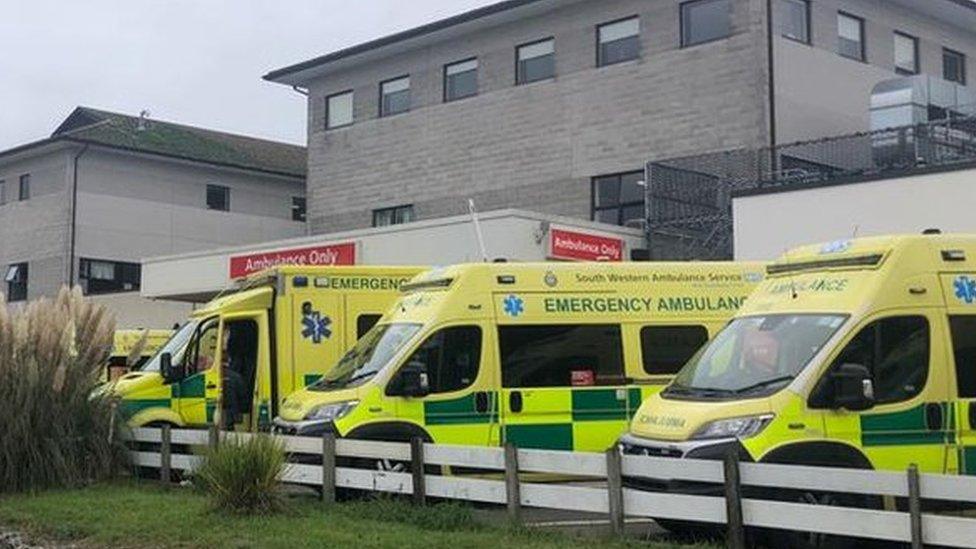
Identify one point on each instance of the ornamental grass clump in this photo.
(241, 475)
(57, 430)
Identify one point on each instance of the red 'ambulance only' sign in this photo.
(332, 254)
(578, 246)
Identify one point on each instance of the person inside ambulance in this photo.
(239, 366)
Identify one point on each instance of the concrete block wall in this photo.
(535, 146)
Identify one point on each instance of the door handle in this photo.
(515, 401)
(211, 386)
(481, 402)
(934, 418)
(972, 414)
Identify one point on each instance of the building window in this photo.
(536, 61)
(298, 208)
(618, 199)
(665, 349)
(795, 22)
(704, 21)
(218, 198)
(460, 80)
(954, 66)
(850, 36)
(3, 192)
(108, 277)
(618, 41)
(338, 110)
(396, 215)
(16, 279)
(906, 54)
(25, 192)
(395, 96)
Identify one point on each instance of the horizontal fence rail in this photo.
(503, 476)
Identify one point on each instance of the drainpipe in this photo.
(74, 215)
(308, 228)
(770, 47)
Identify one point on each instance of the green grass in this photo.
(141, 515)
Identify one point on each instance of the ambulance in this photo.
(858, 353)
(542, 355)
(236, 358)
(125, 342)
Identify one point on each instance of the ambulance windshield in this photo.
(175, 347)
(754, 356)
(368, 357)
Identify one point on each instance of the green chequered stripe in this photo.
(129, 408)
(908, 427)
(557, 436)
(311, 378)
(191, 387)
(604, 404)
(967, 460)
(460, 411)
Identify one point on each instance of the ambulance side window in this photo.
(451, 358)
(665, 349)
(202, 348)
(964, 349)
(896, 351)
(365, 323)
(561, 355)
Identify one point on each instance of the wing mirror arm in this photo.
(853, 387)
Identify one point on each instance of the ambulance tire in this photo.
(391, 432)
(691, 531)
(818, 455)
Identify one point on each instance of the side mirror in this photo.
(411, 381)
(166, 368)
(853, 387)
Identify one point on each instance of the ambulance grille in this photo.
(872, 260)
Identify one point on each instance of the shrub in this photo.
(240, 475)
(56, 430)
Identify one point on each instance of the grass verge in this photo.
(143, 515)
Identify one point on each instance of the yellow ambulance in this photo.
(857, 353)
(543, 355)
(132, 348)
(242, 353)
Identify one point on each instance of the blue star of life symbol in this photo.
(316, 326)
(965, 289)
(513, 305)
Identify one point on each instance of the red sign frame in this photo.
(331, 254)
(577, 246)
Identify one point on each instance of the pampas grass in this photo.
(56, 430)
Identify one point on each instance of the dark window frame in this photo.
(365, 323)
(917, 61)
(599, 50)
(519, 81)
(121, 276)
(962, 65)
(24, 187)
(394, 210)
(381, 110)
(225, 190)
(862, 24)
(477, 80)
(683, 39)
(616, 334)
(965, 385)
(352, 118)
(3, 192)
(620, 206)
(435, 377)
(299, 212)
(701, 328)
(808, 24)
(17, 289)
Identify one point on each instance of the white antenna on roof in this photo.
(477, 230)
(143, 118)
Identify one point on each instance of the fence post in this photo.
(615, 491)
(165, 454)
(915, 505)
(214, 439)
(512, 490)
(328, 467)
(417, 469)
(735, 535)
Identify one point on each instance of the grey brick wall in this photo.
(536, 146)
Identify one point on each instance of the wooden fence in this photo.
(509, 486)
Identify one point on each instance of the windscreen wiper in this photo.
(762, 384)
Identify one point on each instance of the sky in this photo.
(196, 62)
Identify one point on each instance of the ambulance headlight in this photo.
(331, 412)
(739, 427)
